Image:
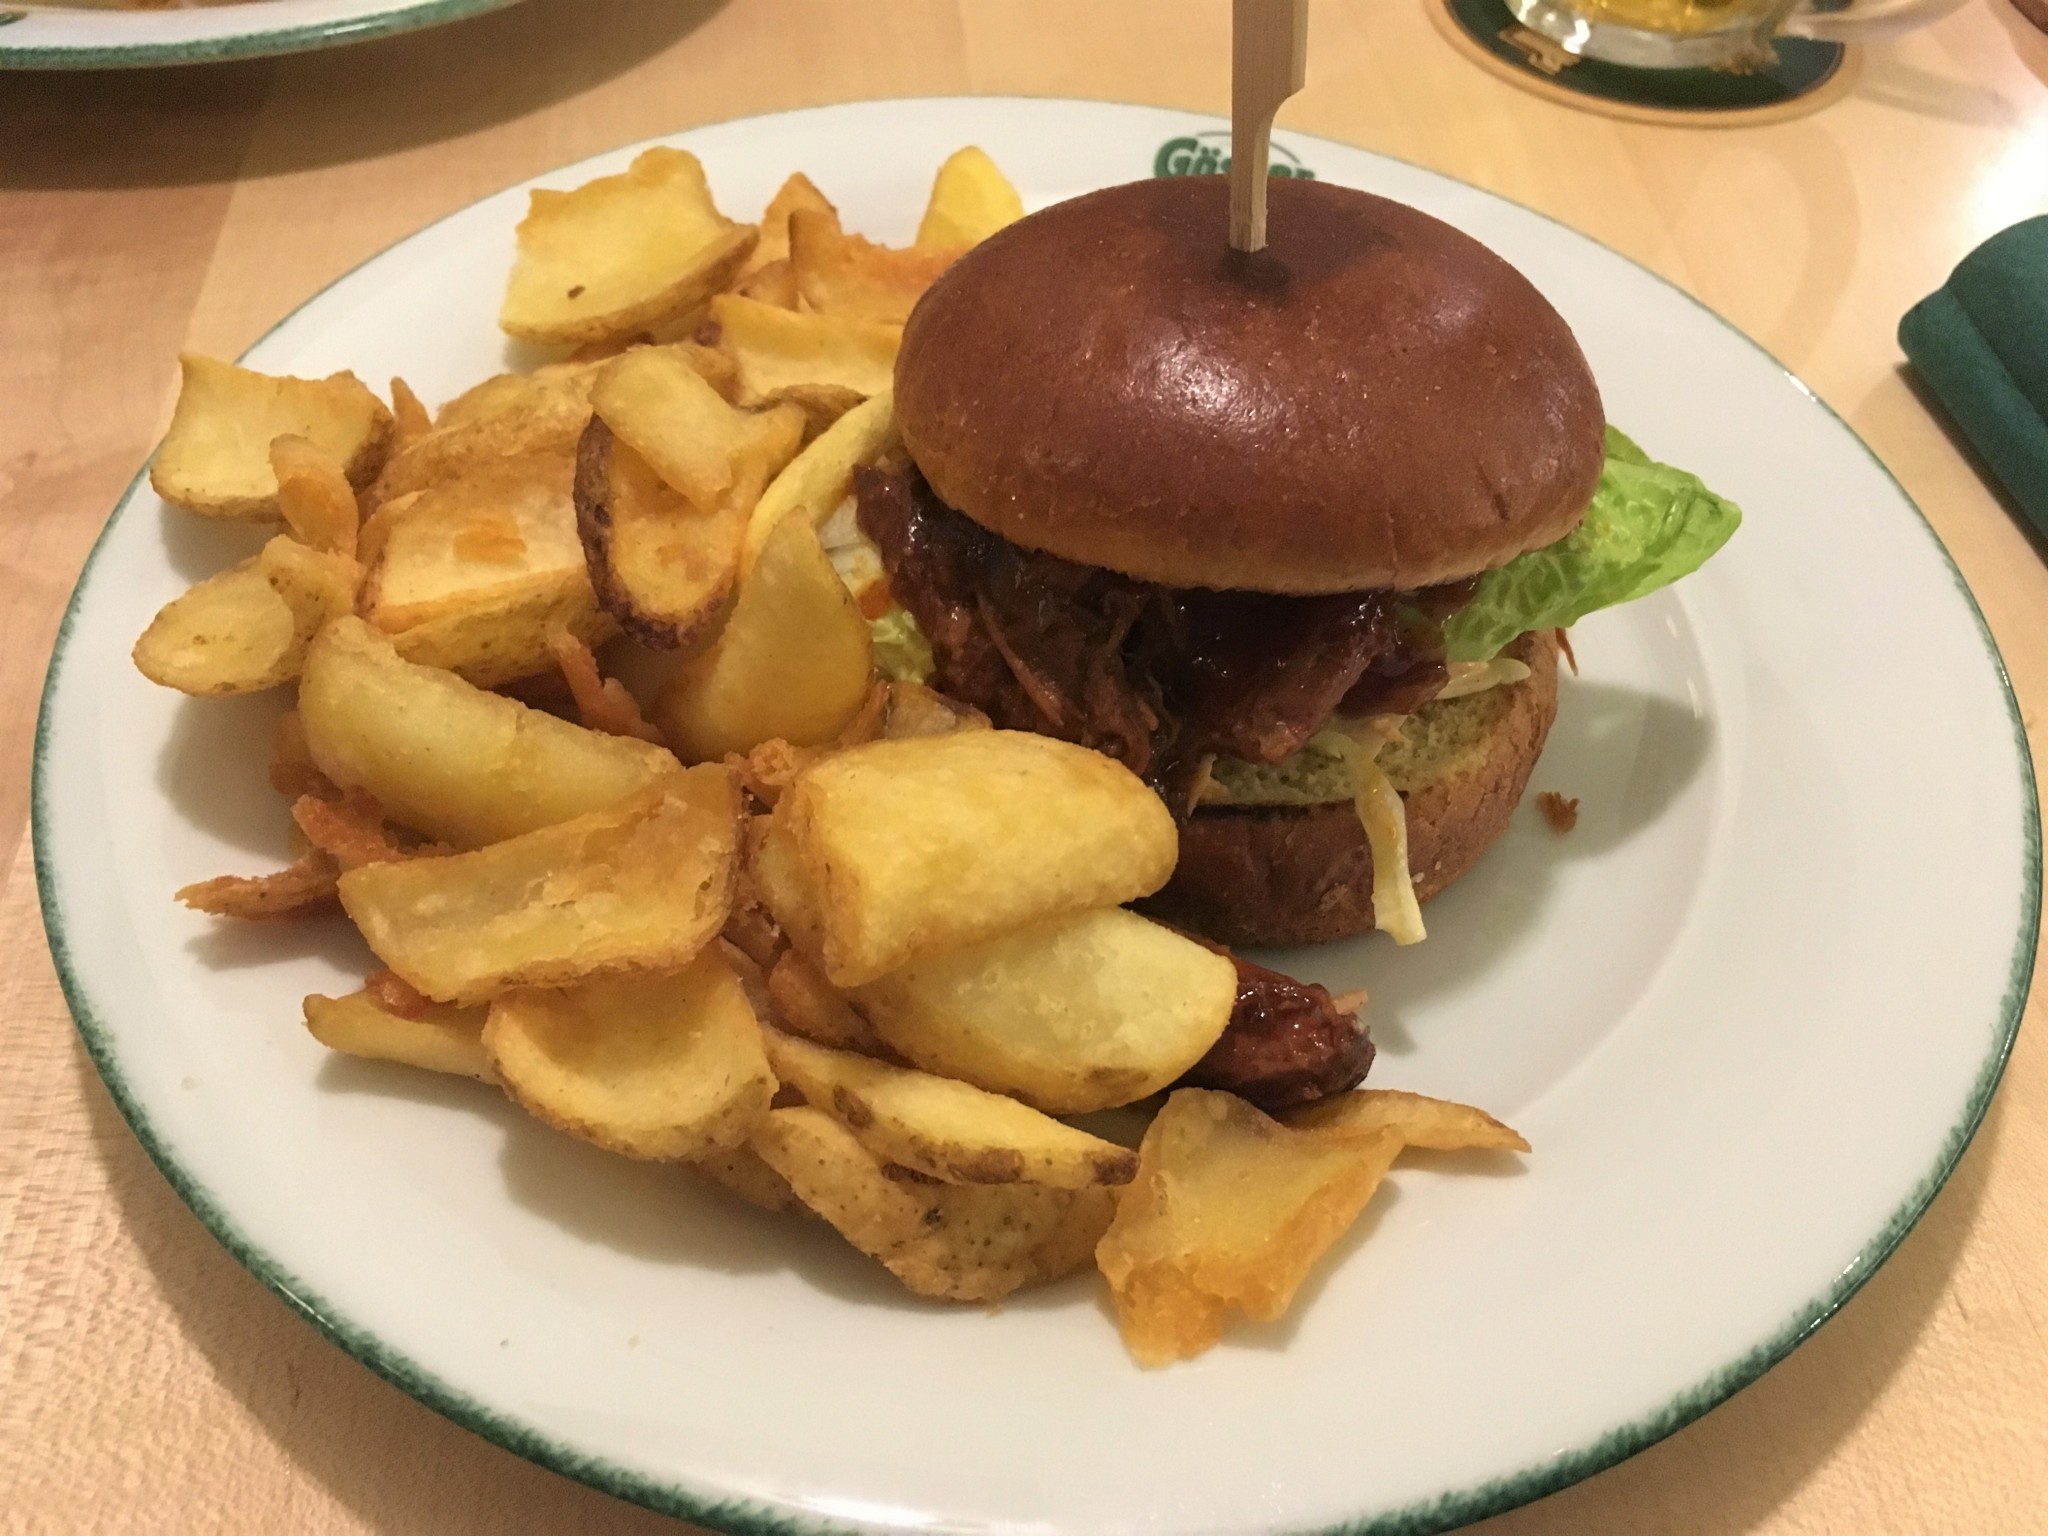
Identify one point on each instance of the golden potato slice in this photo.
(807, 1004)
(621, 254)
(817, 480)
(792, 662)
(512, 416)
(970, 201)
(822, 405)
(778, 874)
(921, 846)
(945, 1129)
(1436, 1125)
(777, 348)
(314, 497)
(410, 418)
(1073, 1014)
(744, 1173)
(639, 887)
(662, 566)
(1229, 1209)
(444, 757)
(440, 1039)
(248, 628)
(797, 193)
(501, 637)
(842, 274)
(658, 1067)
(216, 457)
(662, 408)
(951, 1242)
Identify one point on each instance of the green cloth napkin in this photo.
(1981, 343)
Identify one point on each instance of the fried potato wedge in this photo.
(636, 888)
(778, 874)
(661, 407)
(440, 1038)
(845, 275)
(1435, 1125)
(215, 459)
(776, 349)
(792, 662)
(950, 1242)
(817, 480)
(942, 1128)
(1229, 1209)
(742, 1172)
(806, 1004)
(970, 201)
(664, 1068)
(314, 496)
(1073, 1014)
(921, 846)
(798, 193)
(622, 254)
(445, 758)
(248, 628)
(662, 567)
(470, 574)
(512, 416)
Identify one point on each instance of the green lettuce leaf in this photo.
(901, 651)
(1648, 525)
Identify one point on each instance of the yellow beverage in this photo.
(1678, 17)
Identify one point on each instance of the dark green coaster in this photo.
(1803, 66)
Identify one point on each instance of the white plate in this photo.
(1749, 1012)
(116, 39)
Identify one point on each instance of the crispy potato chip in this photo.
(797, 194)
(1436, 1125)
(447, 759)
(742, 1172)
(351, 830)
(970, 201)
(817, 480)
(305, 888)
(842, 274)
(792, 662)
(1074, 1014)
(440, 1038)
(773, 284)
(662, 408)
(216, 457)
(640, 887)
(778, 875)
(926, 845)
(810, 1006)
(621, 254)
(776, 348)
(314, 497)
(1229, 1209)
(410, 419)
(501, 637)
(952, 1242)
(248, 628)
(945, 1129)
(602, 703)
(658, 1067)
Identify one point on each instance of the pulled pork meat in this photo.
(1286, 1044)
(1160, 678)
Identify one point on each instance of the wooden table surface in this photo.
(147, 1383)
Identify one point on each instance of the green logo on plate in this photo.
(1208, 154)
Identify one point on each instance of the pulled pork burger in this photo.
(1293, 534)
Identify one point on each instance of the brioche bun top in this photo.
(1374, 400)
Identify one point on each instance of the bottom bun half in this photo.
(1278, 875)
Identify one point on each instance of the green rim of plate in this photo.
(1445, 1512)
(261, 43)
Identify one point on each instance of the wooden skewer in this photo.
(1268, 61)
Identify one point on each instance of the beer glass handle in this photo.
(1863, 18)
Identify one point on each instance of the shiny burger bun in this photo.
(1375, 400)
(1301, 875)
